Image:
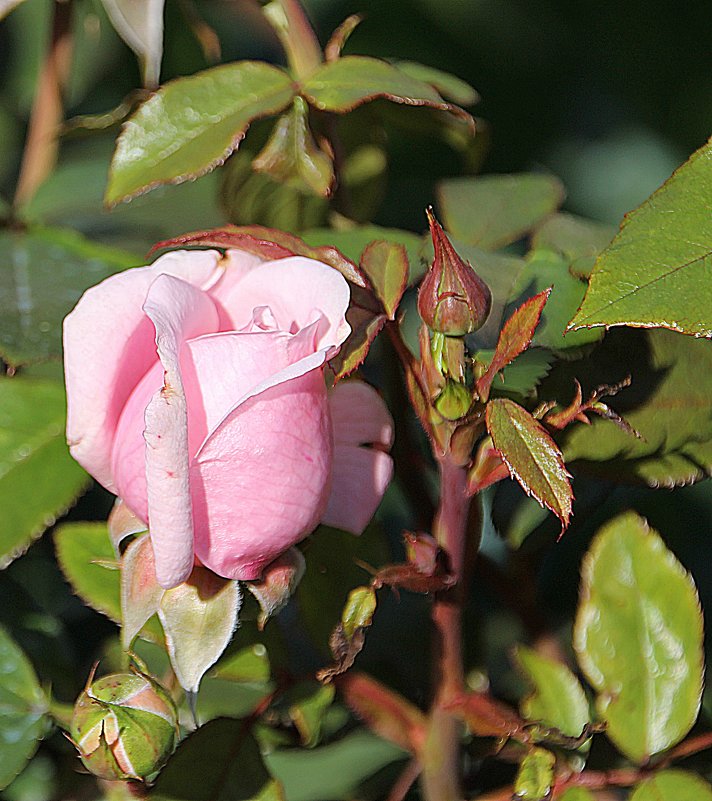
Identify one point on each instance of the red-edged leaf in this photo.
(385, 712)
(269, 243)
(531, 456)
(386, 267)
(514, 338)
(366, 320)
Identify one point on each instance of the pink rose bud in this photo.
(124, 726)
(453, 300)
(196, 393)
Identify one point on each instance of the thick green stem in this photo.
(441, 757)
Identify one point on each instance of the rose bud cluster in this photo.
(124, 726)
(453, 300)
(196, 393)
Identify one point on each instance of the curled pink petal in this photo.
(360, 475)
(109, 346)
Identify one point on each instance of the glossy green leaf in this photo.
(672, 785)
(532, 457)
(495, 210)
(514, 338)
(193, 124)
(43, 272)
(386, 266)
(292, 155)
(358, 609)
(220, 761)
(667, 402)
(558, 700)
(535, 776)
(656, 270)
(198, 618)
(340, 86)
(545, 269)
(519, 379)
(577, 239)
(86, 556)
(638, 638)
(33, 456)
(23, 710)
(445, 83)
(334, 771)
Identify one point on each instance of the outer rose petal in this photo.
(296, 290)
(360, 475)
(179, 311)
(255, 496)
(109, 346)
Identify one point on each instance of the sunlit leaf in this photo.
(656, 270)
(23, 710)
(672, 785)
(535, 776)
(493, 210)
(386, 266)
(39, 480)
(192, 124)
(638, 637)
(531, 455)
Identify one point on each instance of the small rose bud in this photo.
(124, 726)
(453, 300)
(454, 401)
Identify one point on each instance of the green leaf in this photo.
(577, 794)
(292, 156)
(495, 210)
(446, 84)
(575, 238)
(198, 618)
(535, 776)
(249, 664)
(386, 266)
(366, 320)
(85, 553)
(543, 270)
(519, 379)
(638, 637)
(341, 85)
(23, 710)
(667, 402)
(333, 771)
(531, 455)
(656, 270)
(358, 610)
(191, 125)
(220, 761)
(39, 480)
(558, 699)
(308, 708)
(43, 272)
(672, 785)
(514, 338)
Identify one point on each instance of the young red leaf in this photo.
(531, 456)
(385, 712)
(386, 266)
(514, 339)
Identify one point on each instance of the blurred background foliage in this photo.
(609, 96)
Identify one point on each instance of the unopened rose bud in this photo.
(124, 726)
(453, 300)
(454, 401)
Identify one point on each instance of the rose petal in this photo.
(360, 475)
(179, 311)
(261, 480)
(109, 346)
(297, 290)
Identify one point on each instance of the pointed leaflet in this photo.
(531, 456)
(656, 271)
(514, 338)
(386, 266)
(140, 25)
(296, 35)
(23, 709)
(447, 84)
(342, 85)
(495, 210)
(366, 320)
(140, 591)
(672, 785)
(33, 453)
(191, 125)
(558, 699)
(198, 618)
(638, 638)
